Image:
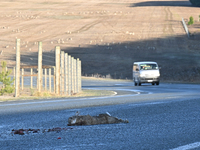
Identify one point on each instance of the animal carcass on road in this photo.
(94, 120)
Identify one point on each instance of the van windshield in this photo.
(148, 67)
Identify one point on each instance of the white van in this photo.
(146, 72)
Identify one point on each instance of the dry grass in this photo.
(107, 35)
(47, 95)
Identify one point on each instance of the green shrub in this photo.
(191, 21)
(195, 2)
(6, 80)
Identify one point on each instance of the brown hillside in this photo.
(107, 35)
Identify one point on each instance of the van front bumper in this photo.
(149, 80)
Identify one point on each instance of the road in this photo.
(160, 117)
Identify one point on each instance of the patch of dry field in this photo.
(107, 35)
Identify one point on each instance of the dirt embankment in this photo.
(107, 36)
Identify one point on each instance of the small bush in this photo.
(191, 21)
(6, 80)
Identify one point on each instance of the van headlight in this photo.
(142, 75)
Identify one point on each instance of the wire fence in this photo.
(55, 72)
(29, 78)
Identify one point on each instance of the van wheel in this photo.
(153, 83)
(157, 83)
(135, 83)
(139, 84)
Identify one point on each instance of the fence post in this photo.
(69, 76)
(54, 79)
(31, 78)
(50, 80)
(62, 81)
(72, 77)
(40, 66)
(22, 79)
(75, 74)
(57, 53)
(45, 78)
(17, 73)
(66, 73)
(79, 84)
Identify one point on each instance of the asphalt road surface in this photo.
(160, 118)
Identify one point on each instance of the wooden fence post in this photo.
(45, 78)
(17, 73)
(54, 79)
(75, 73)
(39, 66)
(79, 84)
(69, 76)
(66, 73)
(57, 53)
(50, 80)
(31, 78)
(62, 81)
(72, 77)
(22, 79)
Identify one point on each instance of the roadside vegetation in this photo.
(7, 82)
(191, 21)
(47, 95)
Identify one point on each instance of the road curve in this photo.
(126, 92)
(160, 117)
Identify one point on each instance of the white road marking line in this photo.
(188, 147)
(147, 103)
(138, 92)
(66, 100)
(170, 97)
(115, 93)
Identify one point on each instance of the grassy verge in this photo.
(47, 95)
(85, 93)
